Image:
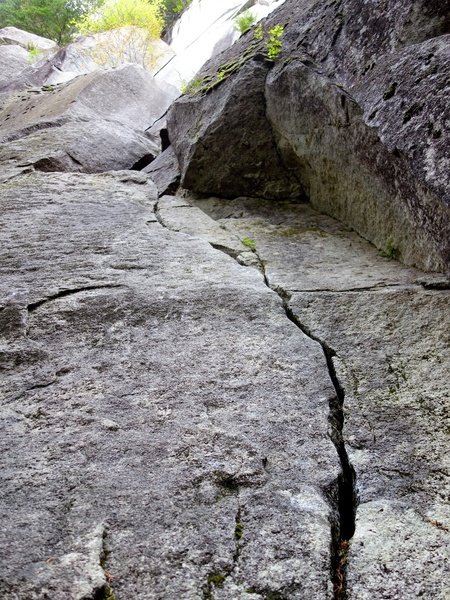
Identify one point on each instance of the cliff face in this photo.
(354, 111)
(205, 398)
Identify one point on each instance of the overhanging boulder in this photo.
(357, 119)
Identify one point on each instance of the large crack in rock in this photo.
(342, 494)
(381, 326)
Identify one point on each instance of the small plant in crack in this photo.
(391, 250)
(217, 579)
(259, 33)
(249, 243)
(238, 530)
(271, 39)
(274, 44)
(244, 22)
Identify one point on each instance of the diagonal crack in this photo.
(158, 216)
(343, 496)
(61, 294)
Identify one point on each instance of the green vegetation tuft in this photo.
(217, 579)
(274, 44)
(238, 531)
(249, 243)
(391, 251)
(244, 21)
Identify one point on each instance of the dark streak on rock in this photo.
(34, 305)
(344, 495)
(105, 592)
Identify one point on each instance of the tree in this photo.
(173, 8)
(53, 19)
(113, 14)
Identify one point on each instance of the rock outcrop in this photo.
(13, 59)
(141, 367)
(228, 398)
(91, 124)
(101, 51)
(370, 315)
(28, 41)
(172, 424)
(357, 119)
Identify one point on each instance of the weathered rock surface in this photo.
(13, 59)
(13, 35)
(108, 50)
(140, 368)
(219, 399)
(164, 172)
(223, 145)
(385, 330)
(357, 119)
(171, 424)
(91, 124)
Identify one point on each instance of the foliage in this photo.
(113, 14)
(192, 87)
(244, 21)
(238, 531)
(274, 44)
(123, 45)
(259, 33)
(271, 39)
(34, 54)
(391, 250)
(53, 19)
(172, 10)
(249, 243)
(217, 579)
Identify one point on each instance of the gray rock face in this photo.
(164, 172)
(214, 399)
(102, 51)
(13, 35)
(224, 146)
(354, 119)
(13, 59)
(172, 424)
(91, 124)
(140, 370)
(385, 330)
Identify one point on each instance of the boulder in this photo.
(226, 147)
(352, 118)
(13, 59)
(165, 172)
(80, 146)
(101, 51)
(94, 123)
(13, 35)
(108, 50)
